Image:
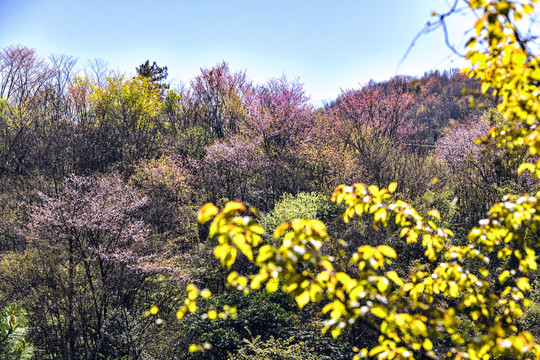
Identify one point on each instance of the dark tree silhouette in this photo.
(154, 73)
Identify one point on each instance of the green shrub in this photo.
(13, 345)
(276, 349)
(300, 206)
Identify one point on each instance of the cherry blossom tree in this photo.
(279, 114)
(380, 106)
(231, 167)
(94, 260)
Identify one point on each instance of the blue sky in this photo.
(328, 45)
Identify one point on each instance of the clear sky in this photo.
(328, 45)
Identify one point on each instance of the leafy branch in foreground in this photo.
(407, 313)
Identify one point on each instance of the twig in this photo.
(432, 26)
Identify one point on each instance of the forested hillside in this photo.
(102, 175)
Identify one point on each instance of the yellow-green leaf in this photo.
(387, 251)
(379, 311)
(302, 299)
(435, 213)
(212, 314)
(374, 190)
(207, 212)
(272, 285)
(230, 257)
(233, 206)
(392, 275)
(382, 284)
(258, 279)
(523, 284)
(206, 293)
(504, 276)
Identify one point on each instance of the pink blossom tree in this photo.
(232, 168)
(93, 259)
(479, 172)
(281, 119)
(279, 114)
(258, 162)
(383, 107)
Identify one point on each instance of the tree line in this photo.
(102, 175)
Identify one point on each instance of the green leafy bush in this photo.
(300, 206)
(276, 349)
(13, 345)
(258, 313)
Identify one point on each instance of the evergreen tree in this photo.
(154, 73)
